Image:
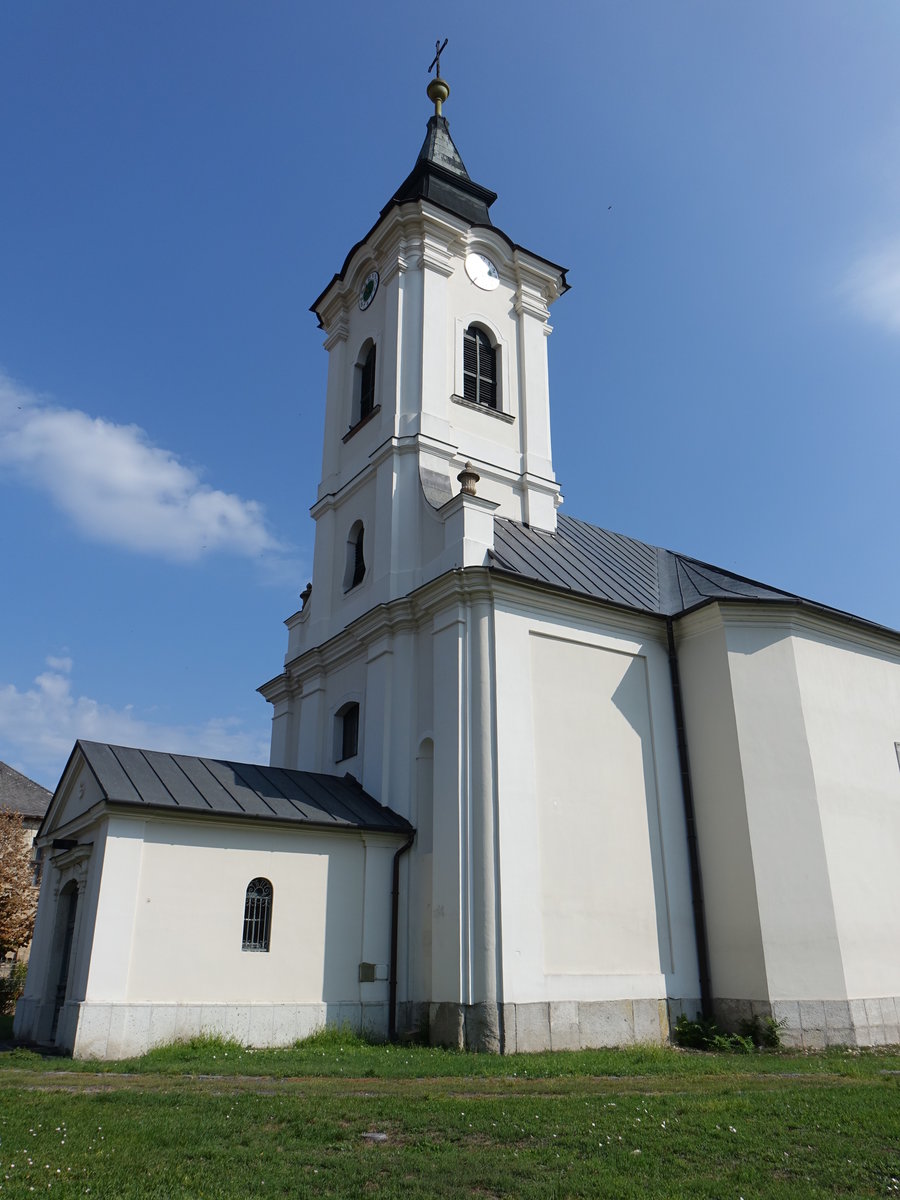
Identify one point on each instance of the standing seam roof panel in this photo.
(110, 775)
(184, 791)
(217, 797)
(228, 776)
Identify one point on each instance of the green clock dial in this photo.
(368, 290)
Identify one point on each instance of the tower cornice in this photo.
(407, 223)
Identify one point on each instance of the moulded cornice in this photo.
(297, 618)
(529, 304)
(794, 618)
(464, 586)
(398, 265)
(79, 824)
(531, 272)
(119, 809)
(438, 261)
(406, 614)
(390, 447)
(339, 333)
(801, 619)
(279, 690)
(696, 623)
(420, 213)
(547, 601)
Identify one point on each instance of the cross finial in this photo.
(436, 61)
(438, 89)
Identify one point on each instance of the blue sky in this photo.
(180, 181)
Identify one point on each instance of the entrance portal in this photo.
(68, 907)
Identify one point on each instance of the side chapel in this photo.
(532, 784)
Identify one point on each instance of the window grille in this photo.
(479, 368)
(367, 385)
(257, 915)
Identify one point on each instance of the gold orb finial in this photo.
(438, 91)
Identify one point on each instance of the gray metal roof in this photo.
(215, 786)
(441, 177)
(620, 570)
(21, 794)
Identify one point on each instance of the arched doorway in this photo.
(65, 918)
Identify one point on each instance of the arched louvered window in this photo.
(367, 384)
(257, 915)
(479, 368)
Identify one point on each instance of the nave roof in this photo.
(620, 570)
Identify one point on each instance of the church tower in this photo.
(436, 329)
(437, 425)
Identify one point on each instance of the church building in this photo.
(532, 784)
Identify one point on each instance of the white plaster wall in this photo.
(850, 697)
(189, 907)
(594, 875)
(794, 901)
(737, 963)
(591, 729)
(791, 726)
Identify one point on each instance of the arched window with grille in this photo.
(479, 368)
(257, 915)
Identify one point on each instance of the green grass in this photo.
(211, 1119)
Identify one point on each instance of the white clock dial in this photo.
(482, 272)
(368, 290)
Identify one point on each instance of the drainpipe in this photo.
(395, 922)
(690, 820)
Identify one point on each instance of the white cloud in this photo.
(39, 726)
(117, 487)
(873, 285)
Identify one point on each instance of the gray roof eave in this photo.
(401, 828)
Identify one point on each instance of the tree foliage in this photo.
(18, 898)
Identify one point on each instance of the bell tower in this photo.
(436, 330)
(437, 425)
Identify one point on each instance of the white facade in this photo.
(156, 952)
(554, 749)
(793, 723)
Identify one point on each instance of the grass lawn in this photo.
(215, 1120)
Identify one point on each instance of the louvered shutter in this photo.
(367, 385)
(487, 373)
(470, 366)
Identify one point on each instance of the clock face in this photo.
(482, 272)
(368, 290)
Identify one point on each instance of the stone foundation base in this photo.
(814, 1024)
(125, 1030)
(551, 1025)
